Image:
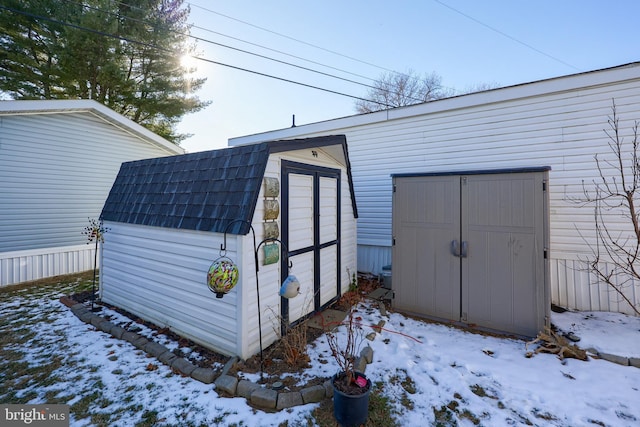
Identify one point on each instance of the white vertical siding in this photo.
(268, 279)
(160, 275)
(348, 235)
(269, 275)
(56, 171)
(557, 123)
(34, 264)
(348, 227)
(371, 259)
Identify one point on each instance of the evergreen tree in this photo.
(124, 54)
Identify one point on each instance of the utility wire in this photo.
(506, 35)
(264, 47)
(243, 41)
(294, 39)
(314, 46)
(203, 40)
(159, 48)
(283, 53)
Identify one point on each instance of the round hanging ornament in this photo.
(222, 276)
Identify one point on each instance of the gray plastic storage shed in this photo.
(472, 247)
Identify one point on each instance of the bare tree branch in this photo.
(615, 195)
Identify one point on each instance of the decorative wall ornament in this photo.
(271, 187)
(271, 209)
(271, 254)
(271, 230)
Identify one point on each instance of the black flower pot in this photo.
(351, 410)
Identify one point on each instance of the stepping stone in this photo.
(382, 308)
(327, 320)
(378, 327)
(381, 294)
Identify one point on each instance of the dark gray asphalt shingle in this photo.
(202, 191)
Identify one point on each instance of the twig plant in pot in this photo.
(351, 388)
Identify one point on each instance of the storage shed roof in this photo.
(204, 191)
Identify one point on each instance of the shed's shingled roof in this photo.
(202, 191)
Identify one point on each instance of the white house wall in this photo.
(558, 123)
(56, 172)
(160, 274)
(33, 264)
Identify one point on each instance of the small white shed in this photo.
(58, 160)
(169, 218)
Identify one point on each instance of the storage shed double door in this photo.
(471, 248)
(311, 230)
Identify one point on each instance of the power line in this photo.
(506, 35)
(295, 39)
(200, 39)
(159, 48)
(283, 53)
(311, 45)
(254, 44)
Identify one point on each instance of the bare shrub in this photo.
(615, 194)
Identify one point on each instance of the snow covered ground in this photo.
(611, 333)
(428, 370)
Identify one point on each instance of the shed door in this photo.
(478, 244)
(426, 216)
(311, 231)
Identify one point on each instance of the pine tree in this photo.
(123, 54)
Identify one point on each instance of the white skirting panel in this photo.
(573, 286)
(371, 259)
(33, 264)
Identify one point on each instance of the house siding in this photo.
(33, 264)
(56, 170)
(558, 123)
(160, 274)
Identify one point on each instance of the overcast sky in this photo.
(467, 42)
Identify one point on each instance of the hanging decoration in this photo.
(271, 254)
(290, 287)
(222, 276)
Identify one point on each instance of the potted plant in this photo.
(351, 388)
